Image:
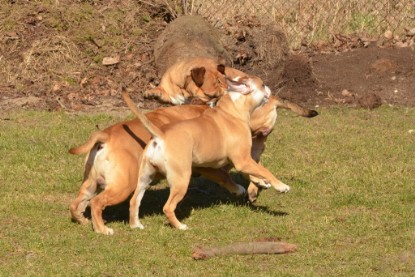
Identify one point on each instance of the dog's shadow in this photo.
(201, 194)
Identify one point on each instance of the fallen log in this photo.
(244, 248)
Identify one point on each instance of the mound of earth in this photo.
(187, 37)
(257, 46)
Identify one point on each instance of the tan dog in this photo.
(201, 78)
(111, 167)
(218, 137)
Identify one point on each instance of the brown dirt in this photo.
(45, 71)
(363, 77)
(355, 79)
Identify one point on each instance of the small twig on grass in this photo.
(244, 248)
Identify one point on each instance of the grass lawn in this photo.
(351, 211)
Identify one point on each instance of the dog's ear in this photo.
(240, 85)
(221, 68)
(198, 75)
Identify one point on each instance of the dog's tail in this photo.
(150, 127)
(285, 104)
(97, 137)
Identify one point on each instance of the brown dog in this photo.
(219, 137)
(200, 77)
(111, 167)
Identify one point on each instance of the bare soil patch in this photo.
(354, 77)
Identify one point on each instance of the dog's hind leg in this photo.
(145, 177)
(179, 182)
(114, 194)
(78, 206)
(119, 183)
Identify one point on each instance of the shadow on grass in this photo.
(201, 194)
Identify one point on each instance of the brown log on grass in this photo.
(245, 248)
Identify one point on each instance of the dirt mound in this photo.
(247, 43)
(186, 37)
(257, 46)
(298, 83)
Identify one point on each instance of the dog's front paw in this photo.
(146, 94)
(109, 231)
(137, 225)
(281, 187)
(178, 99)
(83, 220)
(183, 227)
(263, 184)
(260, 183)
(106, 231)
(150, 94)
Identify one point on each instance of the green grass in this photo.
(350, 211)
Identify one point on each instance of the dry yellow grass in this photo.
(311, 21)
